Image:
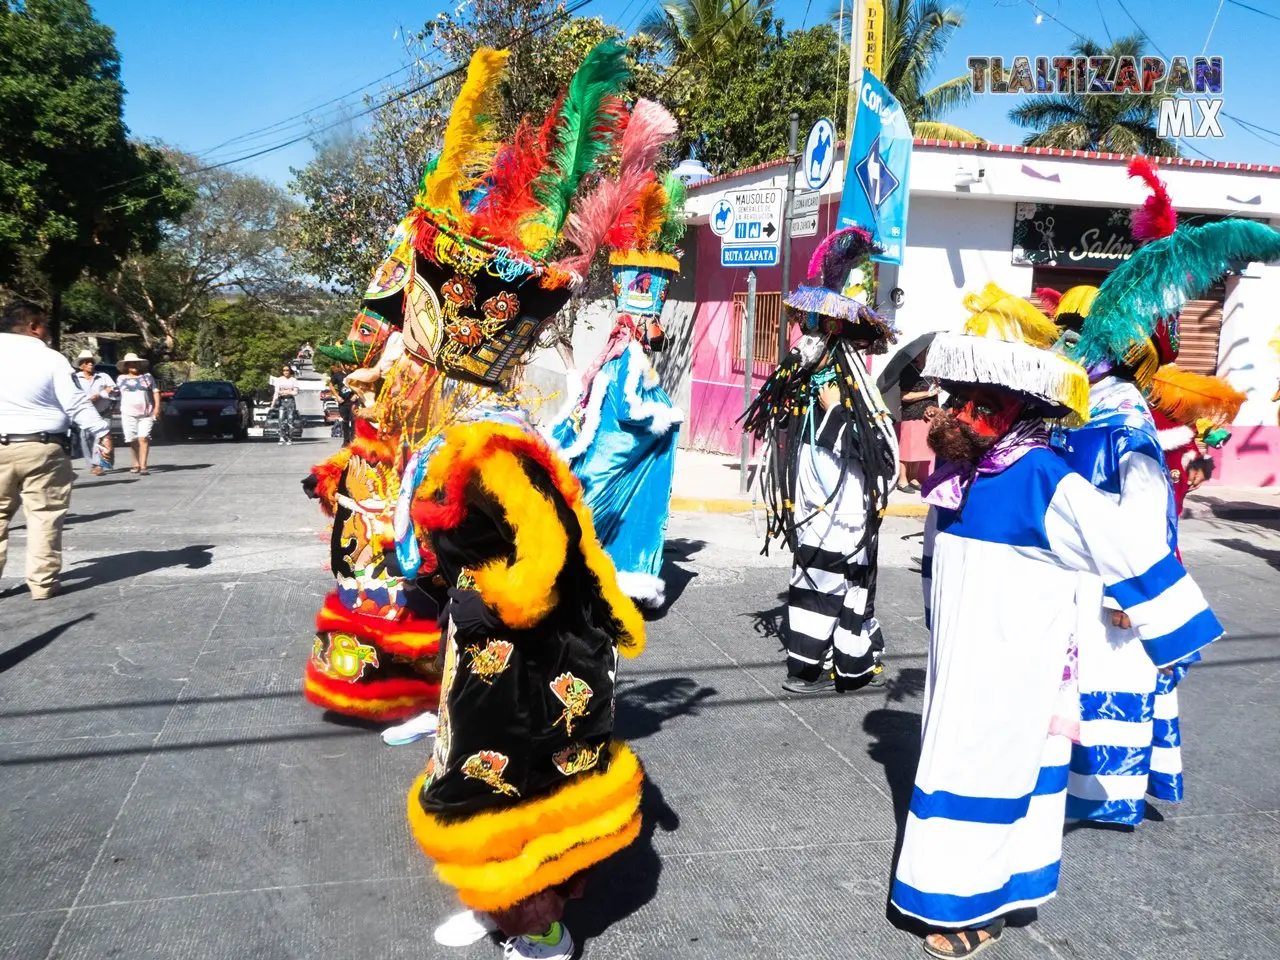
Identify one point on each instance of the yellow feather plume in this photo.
(1188, 397)
(999, 314)
(470, 139)
(651, 204)
(1077, 300)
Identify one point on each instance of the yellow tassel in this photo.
(1187, 397)
(999, 314)
(470, 139)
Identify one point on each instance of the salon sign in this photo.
(1050, 235)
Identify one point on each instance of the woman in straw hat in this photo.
(139, 405)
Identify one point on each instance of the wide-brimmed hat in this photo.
(134, 358)
(86, 354)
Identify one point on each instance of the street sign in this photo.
(749, 225)
(878, 181)
(820, 154)
(806, 226)
(805, 204)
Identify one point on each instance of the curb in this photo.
(707, 505)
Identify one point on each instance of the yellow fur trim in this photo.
(1188, 397)
(498, 835)
(1003, 316)
(470, 139)
(1078, 300)
(500, 857)
(466, 447)
(522, 592)
(362, 704)
(637, 258)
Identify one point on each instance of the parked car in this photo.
(271, 426)
(206, 408)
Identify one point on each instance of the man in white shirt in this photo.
(39, 404)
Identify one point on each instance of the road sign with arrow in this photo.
(749, 224)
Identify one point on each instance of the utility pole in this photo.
(783, 339)
(749, 357)
(858, 16)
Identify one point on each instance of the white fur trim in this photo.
(662, 417)
(599, 387)
(1171, 438)
(644, 588)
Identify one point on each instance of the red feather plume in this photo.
(1050, 298)
(1156, 217)
(511, 200)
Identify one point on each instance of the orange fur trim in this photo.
(498, 835)
(380, 700)
(440, 504)
(1186, 397)
(328, 474)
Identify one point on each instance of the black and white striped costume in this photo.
(831, 624)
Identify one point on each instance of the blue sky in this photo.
(211, 70)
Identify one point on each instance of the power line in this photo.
(1212, 26)
(1237, 3)
(408, 92)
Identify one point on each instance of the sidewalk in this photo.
(1233, 503)
(709, 483)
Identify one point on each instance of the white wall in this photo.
(1250, 320)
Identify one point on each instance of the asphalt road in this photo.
(168, 794)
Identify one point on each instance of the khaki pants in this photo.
(37, 475)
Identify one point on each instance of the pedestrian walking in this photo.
(286, 400)
(918, 395)
(139, 405)
(39, 405)
(100, 389)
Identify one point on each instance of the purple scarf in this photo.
(946, 485)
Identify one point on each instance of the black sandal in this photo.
(965, 943)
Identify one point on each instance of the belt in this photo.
(8, 438)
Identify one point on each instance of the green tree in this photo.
(1099, 121)
(916, 35)
(76, 194)
(233, 241)
(705, 31)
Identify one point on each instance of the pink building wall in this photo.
(715, 400)
(1251, 458)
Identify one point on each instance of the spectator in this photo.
(139, 407)
(918, 395)
(39, 403)
(286, 398)
(100, 389)
(346, 399)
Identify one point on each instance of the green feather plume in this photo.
(590, 120)
(673, 225)
(1161, 277)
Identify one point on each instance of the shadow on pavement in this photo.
(643, 709)
(83, 484)
(164, 702)
(122, 566)
(1260, 514)
(1272, 557)
(771, 623)
(628, 880)
(677, 579)
(147, 748)
(176, 467)
(11, 658)
(91, 517)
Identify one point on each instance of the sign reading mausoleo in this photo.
(749, 225)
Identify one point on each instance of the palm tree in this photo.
(1097, 121)
(916, 33)
(704, 30)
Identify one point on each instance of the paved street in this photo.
(168, 794)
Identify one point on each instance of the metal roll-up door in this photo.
(1199, 328)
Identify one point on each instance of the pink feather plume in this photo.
(1050, 298)
(1156, 217)
(601, 213)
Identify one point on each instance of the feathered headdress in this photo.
(1156, 217)
(1006, 344)
(819, 302)
(1187, 397)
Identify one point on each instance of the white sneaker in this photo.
(280, 442)
(415, 728)
(527, 948)
(464, 929)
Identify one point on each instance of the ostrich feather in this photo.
(1186, 397)
(1050, 298)
(470, 142)
(650, 205)
(518, 165)
(1161, 277)
(588, 124)
(673, 225)
(607, 213)
(846, 249)
(1001, 315)
(1156, 217)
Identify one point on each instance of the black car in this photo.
(207, 408)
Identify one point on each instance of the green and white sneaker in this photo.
(555, 944)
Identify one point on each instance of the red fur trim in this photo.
(382, 700)
(408, 637)
(371, 447)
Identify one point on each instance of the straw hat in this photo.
(86, 354)
(134, 358)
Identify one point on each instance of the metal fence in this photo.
(768, 313)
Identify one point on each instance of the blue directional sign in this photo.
(877, 179)
(749, 225)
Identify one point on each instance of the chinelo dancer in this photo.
(1009, 528)
(1127, 328)
(830, 459)
(526, 789)
(619, 434)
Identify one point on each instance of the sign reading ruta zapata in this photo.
(1053, 235)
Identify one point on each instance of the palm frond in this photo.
(934, 130)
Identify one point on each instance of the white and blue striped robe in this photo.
(1130, 742)
(984, 828)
